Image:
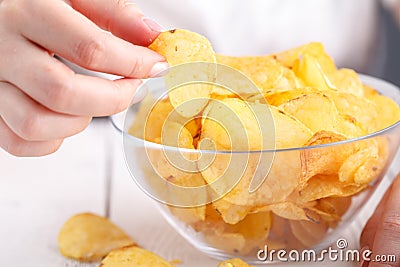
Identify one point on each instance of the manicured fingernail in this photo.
(154, 26)
(159, 69)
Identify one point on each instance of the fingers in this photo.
(122, 18)
(387, 236)
(61, 29)
(33, 122)
(368, 233)
(55, 86)
(17, 146)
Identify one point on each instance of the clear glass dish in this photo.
(249, 230)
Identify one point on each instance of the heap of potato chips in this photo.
(312, 103)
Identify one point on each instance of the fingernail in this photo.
(159, 69)
(154, 26)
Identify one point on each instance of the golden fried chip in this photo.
(324, 160)
(236, 262)
(388, 110)
(347, 81)
(133, 256)
(229, 242)
(366, 164)
(316, 50)
(309, 233)
(231, 213)
(334, 205)
(254, 228)
(189, 214)
(279, 98)
(289, 132)
(88, 237)
(321, 186)
(264, 71)
(179, 47)
(289, 210)
(308, 69)
(315, 110)
(361, 109)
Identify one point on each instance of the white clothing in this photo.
(347, 28)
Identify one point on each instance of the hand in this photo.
(42, 101)
(381, 234)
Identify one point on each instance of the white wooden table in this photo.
(88, 173)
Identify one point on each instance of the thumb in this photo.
(121, 17)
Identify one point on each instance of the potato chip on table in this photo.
(88, 237)
(133, 256)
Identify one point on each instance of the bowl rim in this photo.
(152, 145)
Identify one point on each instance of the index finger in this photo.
(61, 29)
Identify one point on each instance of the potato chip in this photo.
(229, 242)
(236, 262)
(88, 237)
(324, 160)
(366, 164)
(264, 71)
(289, 210)
(316, 50)
(133, 256)
(231, 213)
(334, 205)
(179, 47)
(308, 69)
(281, 97)
(347, 81)
(361, 109)
(388, 110)
(289, 132)
(138, 126)
(189, 214)
(254, 228)
(321, 186)
(315, 110)
(309, 233)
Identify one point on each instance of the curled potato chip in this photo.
(336, 206)
(88, 237)
(361, 109)
(289, 210)
(315, 110)
(289, 132)
(316, 50)
(255, 228)
(308, 69)
(189, 214)
(236, 262)
(388, 110)
(133, 256)
(347, 81)
(321, 186)
(366, 164)
(182, 46)
(324, 160)
(281, 97)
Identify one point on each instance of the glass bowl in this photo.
(293, 208)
